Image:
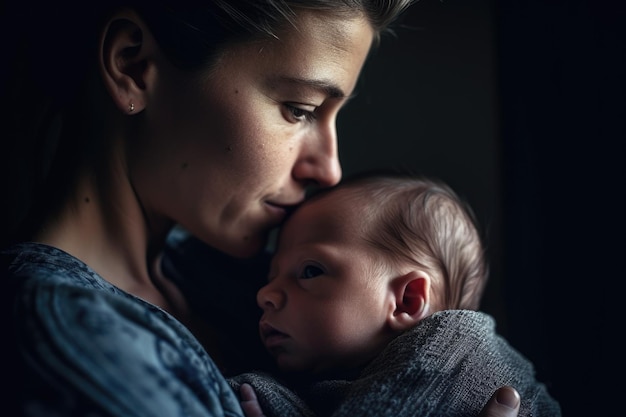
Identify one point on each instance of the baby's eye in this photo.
(311, 271)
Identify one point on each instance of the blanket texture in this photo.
(448, 365)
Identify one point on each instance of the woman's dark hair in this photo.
(51, 50)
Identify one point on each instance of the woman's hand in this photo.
(503, 403)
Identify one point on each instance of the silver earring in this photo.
(131, 107)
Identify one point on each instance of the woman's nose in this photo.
(319, 159)
(269, 297)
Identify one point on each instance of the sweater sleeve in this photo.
(92, 352)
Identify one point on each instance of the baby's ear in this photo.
(411, 294)
(126, 60)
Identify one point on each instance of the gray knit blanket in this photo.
(448, 365)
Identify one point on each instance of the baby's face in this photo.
(325, 305)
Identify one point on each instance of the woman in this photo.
(138, 116)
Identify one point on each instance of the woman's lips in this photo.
(282, 209)
(278, 212)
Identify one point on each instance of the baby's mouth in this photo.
(271, 336)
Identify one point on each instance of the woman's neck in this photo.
(109, 231)
(119, 248)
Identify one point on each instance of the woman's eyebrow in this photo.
(330, 89)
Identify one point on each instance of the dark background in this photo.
(520, 106)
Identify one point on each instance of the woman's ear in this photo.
(126, 60)
(411, 296)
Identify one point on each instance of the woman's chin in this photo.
(248, 247)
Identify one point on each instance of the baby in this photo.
(376, 283)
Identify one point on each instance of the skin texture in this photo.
(266, 115)
(328, 304)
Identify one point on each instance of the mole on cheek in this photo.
(184, 165)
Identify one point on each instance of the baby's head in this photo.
(419, 222)
(360, 263)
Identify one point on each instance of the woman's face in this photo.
(226, 152)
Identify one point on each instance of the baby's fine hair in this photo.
(421, 221)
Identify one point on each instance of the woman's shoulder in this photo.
(87, 339)
(60, 300)
(32, 263)
(54, 290)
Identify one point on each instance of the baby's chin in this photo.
(289, 364)
(339, 368)
(309, 367)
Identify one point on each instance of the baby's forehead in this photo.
(345, 207)
(331, 209)
(322, 222)
(341, 203)
(347, 194)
